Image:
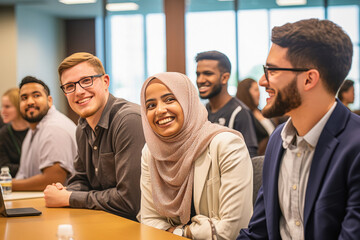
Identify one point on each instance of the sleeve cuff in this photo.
(78, 199)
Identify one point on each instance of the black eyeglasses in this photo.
(83, 82)
(267, 69)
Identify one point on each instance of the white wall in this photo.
(7, 49)
(40, 49)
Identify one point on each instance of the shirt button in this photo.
(95, 147)
(298, 154)
(294, 187)
(297, 223)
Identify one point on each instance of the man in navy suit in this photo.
(311, 173)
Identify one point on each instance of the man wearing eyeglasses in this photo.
(311, 169)
(109, 137)
(42, 160)
(213, 73)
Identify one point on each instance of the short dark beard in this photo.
(36, 119)
(286, 100)
(215, 91)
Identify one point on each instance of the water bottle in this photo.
(5, 180)
(65, 232)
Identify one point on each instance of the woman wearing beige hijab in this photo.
(196, 177)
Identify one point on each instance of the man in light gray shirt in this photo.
(49, 148)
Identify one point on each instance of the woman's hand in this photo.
(171, 229)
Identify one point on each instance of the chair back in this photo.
(257, 170)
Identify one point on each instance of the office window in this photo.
(348, 18)
(254, 33)
(253, 42)
(210, 30)
(137, 48)
(138, 45)
(127, 71)
(281, 16)
(156, 43)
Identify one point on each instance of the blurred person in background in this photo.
(12, 134)
(213, 73)
(346, 92)
(248, 92)
(1, 121)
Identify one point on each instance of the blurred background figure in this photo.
(346, 92)
(248, 93)
(1, 122)
(13, 132)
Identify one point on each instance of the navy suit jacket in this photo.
(332, 200)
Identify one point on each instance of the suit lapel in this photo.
(324, 149)
(318, 169)
(271, 192)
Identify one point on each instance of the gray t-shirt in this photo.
(52, 141)
(236, 115)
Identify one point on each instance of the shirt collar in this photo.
(289, 132)
(51, 111)
(104, 119)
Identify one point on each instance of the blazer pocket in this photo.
(107, 170)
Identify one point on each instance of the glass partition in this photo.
(137, 48)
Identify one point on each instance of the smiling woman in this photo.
(185, 160)
(163, 111)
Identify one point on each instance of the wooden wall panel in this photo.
(175, 35)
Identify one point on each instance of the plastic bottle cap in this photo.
(5, 168)
(65, 230)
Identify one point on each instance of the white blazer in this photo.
(223, 189)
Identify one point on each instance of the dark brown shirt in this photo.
(108, 166)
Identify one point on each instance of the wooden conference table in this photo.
(87, 224)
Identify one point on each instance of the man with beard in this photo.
(311, 169)
(49, 147)
(109, 137)
(213, 73)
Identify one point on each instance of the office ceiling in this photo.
(55, 8)
(58, 9)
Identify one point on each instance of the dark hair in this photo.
(347, 84)
(243, 93)
(224, 62)
(319, 44)
(30, 79)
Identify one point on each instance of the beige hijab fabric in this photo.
(171, 166)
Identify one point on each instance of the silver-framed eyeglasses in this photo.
(267, 69)
(84, 82)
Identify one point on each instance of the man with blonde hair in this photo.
(109, 137)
